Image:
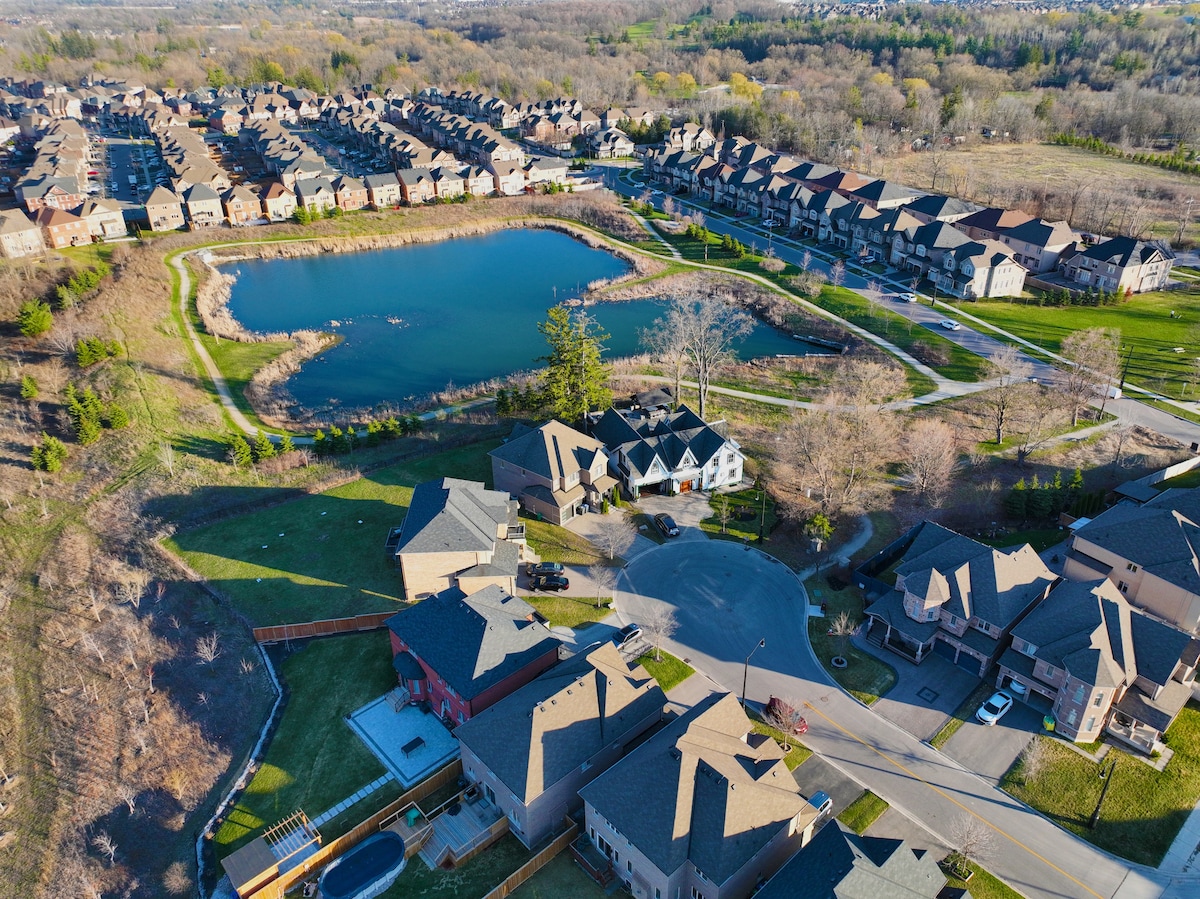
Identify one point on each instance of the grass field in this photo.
(863, 812)
(746, 517)
(470, 881)
(1144, 808)
(320, 556)
(670, 672)
(560, 878)
(556, 544)
(569, 611)
(1145, 324)
(314, 760)
(984, 885)
(866, 677)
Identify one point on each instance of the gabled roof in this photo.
(161, 196)
(705, 788)
(452, 515)
(937, 206)
(645, 436)
(1041, 233)
(473, 642)
(535, 737)
(1125, 251)
(994, 219)
(199, 193)
(15, 223)
(838, 864)
(553, 451)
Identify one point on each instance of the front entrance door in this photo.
(685, 487)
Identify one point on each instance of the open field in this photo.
(988, 174)
(314, 759)
(1144, 321)
(1144, 808)
(320, 556)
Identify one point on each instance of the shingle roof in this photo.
(553, 451)
(838, 864)
(473, 642)
(704, 788)
(453, 515)
(550, 727)
(644, 438)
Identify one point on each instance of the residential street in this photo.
(727, 597)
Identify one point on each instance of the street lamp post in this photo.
(746, 669)
(1107, 777)
(762, 513)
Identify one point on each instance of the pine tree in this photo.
(286, 445)
(239, 451)
(262, 448)
(320, 443)
(48, 455)
(29, 388)
(1016, 504)
(117, 417)
(503, 403)
(1076, 483)
(1040, 499)
(575, 380)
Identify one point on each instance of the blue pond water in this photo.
(416, 319)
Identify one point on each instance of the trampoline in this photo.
(366, 870)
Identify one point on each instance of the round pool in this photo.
(366, 870)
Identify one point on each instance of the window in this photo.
(696, 894)
(657, 893)
(628, 866)
(1131, 567)
(1099, 700)
(1123, 587)
(1091, 724)
(1071, 716)
(1079, 694)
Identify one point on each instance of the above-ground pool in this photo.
(366, 870)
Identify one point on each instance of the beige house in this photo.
(459, 534)
(103, 217)
(278, 202)
(553, 471)
(19, 236)
(383, 190)
(1121, 264)
(704, 808)
(242, 206)
(979, 268)
(204, 209)
(1150, 552)
(164, 210)
(531, 752)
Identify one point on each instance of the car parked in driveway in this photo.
(666, 524)
(539, 568)
(995, 708)
(782, 714)
(627, 634)
(821, 802)
(949, 324)
(549, 582)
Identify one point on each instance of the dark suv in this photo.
(666, 524)
(549, 582)
(539, 568)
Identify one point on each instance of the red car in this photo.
(782, 714)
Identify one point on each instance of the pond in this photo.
(415, 320)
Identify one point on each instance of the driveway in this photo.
(991, 751)
(688, 510)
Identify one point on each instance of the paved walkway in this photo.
(330, 814)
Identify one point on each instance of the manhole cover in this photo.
(928, 695)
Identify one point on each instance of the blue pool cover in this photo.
(363, 866)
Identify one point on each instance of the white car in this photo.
(771, 223)
(950, 325)
(995, 708)
(906, 297)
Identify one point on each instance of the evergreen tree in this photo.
(503, 403)
(239, 451)
(48, 455)
(29, 388)
(1058, 493)
(34, 318)
(1016, 504)
(414, 423)
(1040, 499)
(1075, 485)
(337, 440)
(117, 417)
(392, 428)
(374, 432)
(262, 447)
(575, 380)
(286, 445)
(320, 443)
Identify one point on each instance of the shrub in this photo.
(117, 416)
(29, 388)
(48, 455)
(35, 318)
(90, 350)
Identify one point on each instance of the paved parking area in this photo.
(991, 751)
(688, 510)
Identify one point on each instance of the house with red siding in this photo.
(463, 653)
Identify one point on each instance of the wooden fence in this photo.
(327, 853)
(535, 864)
(281, 632)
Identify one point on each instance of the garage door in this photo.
(969, 662)
(944, 649)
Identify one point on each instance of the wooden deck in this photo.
(462, 826)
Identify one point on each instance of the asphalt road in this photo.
(727, 597)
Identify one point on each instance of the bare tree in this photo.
(843, 628)
(1040, 417)
(614, 534)
(1010, 370)
(128, 794)
(665, 340)
(658, 627)
(837, 273)
(707, 327)
(176, 880)
(973, 838)
(784, 714)
(208, 648)
(1119, 436)
(105, 845)
(724, 511)
(166, 457)
(604, 578)
(1033, 760)
(930, 458)
(1095, 361)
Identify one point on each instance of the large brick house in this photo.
(533, 751)
(552, 470)
(704, 808)
(953, 596)
(1101, 666)
(459, 534)
(1149, 551)
(1121, 264)
(462, 653)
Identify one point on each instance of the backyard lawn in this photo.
(320, 556)
(745, 514)
(866, 677)
(1145, 324)
(559, 879)
(470, 881)
(798, 753)
(670, 672)
(553, 543)
(1144, 808)
(314, 759)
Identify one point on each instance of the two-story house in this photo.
(954, 596)
(1038, 244)
(19, 236)
(204, 209)
(1121, 265)
(1149, 551)
(533, 751)
(553, 470)
(652, 449)
(979, 268)
(459, 534)
(705, 808)
(939, 208)
(164, 209)
(1101, 666)
(463, 653)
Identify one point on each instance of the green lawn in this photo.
(746, 518)
(963, 713)
(863, 812)
(314, 759)
(470, 881)
(1144, 321)
(1183, 481)
(645, 526)
(569, 611)
(1173, 410)
(553, 543)
(1038, 538)
(1144, 808)
(984, 885)
(798, 753)
(866, 677)
(320, 556)
(560, 878)
(670, 672)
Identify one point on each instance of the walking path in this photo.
(330, 814)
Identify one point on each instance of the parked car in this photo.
(995, 708)
(627, 634)
(906, 297)
(537, 568)
(821, 802)
(772, 223)
(868, 260)
(780, 711)
(666, 524)
(549, 582)
(949, 324)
